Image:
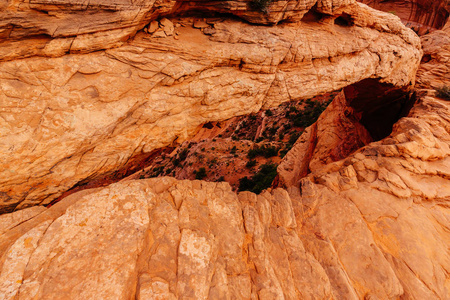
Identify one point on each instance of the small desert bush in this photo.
(264, 150)
(260, 181)
(200, 174)
(261, 5)
(443, 92)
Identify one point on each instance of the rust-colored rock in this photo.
(372, 226)
(52, 28)
(70, 119)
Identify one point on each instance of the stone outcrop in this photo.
(53, 28)
(434, 71)
(67, 120)
(374, 225)
(336, 135)
(358, 219)
(420, 15)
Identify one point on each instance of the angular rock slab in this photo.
(70, 119)
(161, 238)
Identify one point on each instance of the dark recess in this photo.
(344, 20)
(313, 16)
(381, 105)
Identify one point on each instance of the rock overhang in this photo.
(72, 117)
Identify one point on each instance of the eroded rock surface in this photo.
(69, 119)
(336, 134)
(53, 28)
(434, 71)
(372, 226)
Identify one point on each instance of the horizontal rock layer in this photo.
(69, 119)
(52, 28)
(372, 226)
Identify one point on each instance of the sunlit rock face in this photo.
(368, 219)
(69, 119)
(52, 28)
(374, 225)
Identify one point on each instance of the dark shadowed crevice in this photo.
(344, 20)
(313, 16)
(381, 105)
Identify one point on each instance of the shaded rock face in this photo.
(363, 112)
(420, 15)
(71, 119)
(378, 105)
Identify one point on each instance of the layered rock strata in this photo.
(52, 28)
(67, 120)
(434, 71)
(372, 226)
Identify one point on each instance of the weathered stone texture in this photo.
(69, 119)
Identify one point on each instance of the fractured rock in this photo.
(67, 119)
(153, 26)
(167, 26)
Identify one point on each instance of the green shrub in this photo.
(157, 171)
(200, 174)
(261, 5)
(443, 92)
(308, 115)
(264, 150)
(293, 138)
(260, 181)
(250, 164)
(284, 152)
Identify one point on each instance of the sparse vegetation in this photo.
(200, 174)
(261, 180)
(264, 150)
(250, 164)
(443, 92)
(308, 115)
(208, 161)
(261, 5)
(293, 138)
(157, 171)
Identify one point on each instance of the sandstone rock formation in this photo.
(420, 15)
(336, 134)
(434, 71)
(67, 120)
(372, 226)
(52, 28)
